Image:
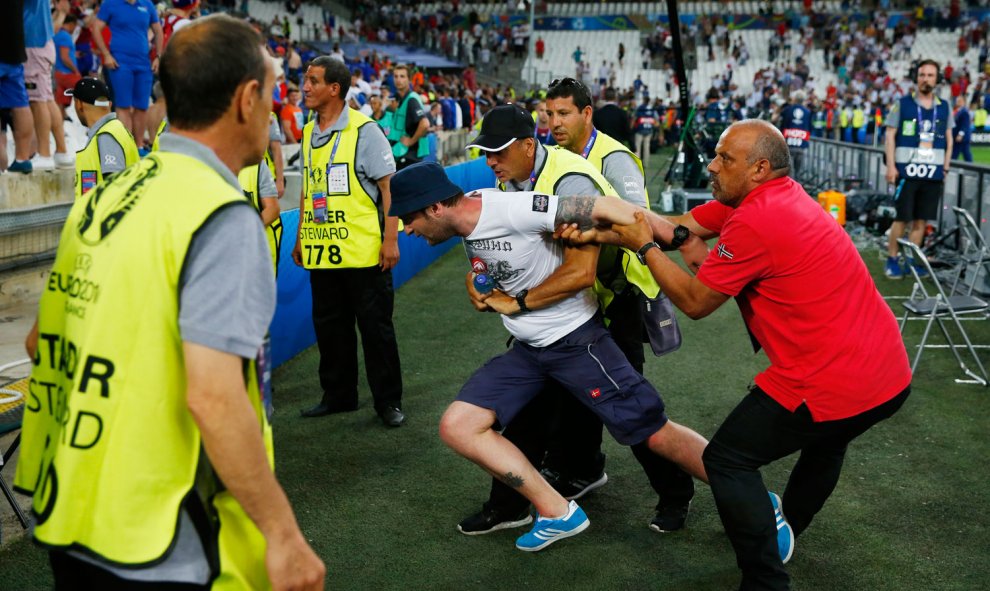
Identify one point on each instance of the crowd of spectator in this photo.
(856, 53)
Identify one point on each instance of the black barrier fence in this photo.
(845, 166)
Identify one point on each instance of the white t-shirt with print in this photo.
(514, 238)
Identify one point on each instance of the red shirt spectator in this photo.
(818, 331)
(470, 79)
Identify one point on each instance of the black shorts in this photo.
(918, 199)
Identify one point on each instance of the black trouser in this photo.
(341, 297)
(72, 574)
(557, 431)
(759, 431)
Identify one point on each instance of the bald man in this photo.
(837, 362)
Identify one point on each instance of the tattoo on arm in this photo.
(575, 209)
(511, 480)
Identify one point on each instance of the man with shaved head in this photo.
(837, 361)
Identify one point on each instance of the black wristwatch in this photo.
(641, 253)
(681, 234)
(521, 300)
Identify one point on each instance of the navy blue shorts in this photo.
(589, 364)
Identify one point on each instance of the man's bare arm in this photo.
(603, 212)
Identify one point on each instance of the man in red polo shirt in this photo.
(837, 361)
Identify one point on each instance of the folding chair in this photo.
(975, 256)
(934, 305)
(11, 413)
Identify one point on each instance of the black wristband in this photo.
(641, 253)
(521, 300)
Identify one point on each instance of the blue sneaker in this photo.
(785, 534)
(893, 269)
(919, 269)
(21, 166)
(546, 531)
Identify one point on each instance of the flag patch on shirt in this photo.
(724, 252)
(541, 203)
(595, 393)
(87, 180)
(478, 265)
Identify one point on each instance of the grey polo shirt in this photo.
(112, 159)
(621, 171)
(266, 184)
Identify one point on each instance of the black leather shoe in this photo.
(392, 417)
(670, 518)
(323, 409)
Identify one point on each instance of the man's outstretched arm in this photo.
(611, 221)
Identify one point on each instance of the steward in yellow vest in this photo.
(146, 438)
(859, 117)
(109, 146)
(348, 245)
(259, 188)
(979, 117)
(570, 113)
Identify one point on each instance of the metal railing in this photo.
(845, 165)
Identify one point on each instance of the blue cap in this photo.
(418, 187)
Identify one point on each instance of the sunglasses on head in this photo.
(563, 82)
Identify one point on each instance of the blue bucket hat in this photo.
(418, 187)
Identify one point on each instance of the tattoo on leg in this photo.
(511, 480)
(575, 209)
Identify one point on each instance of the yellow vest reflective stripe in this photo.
(109, 448)
(352, 235)
(249, 182)
(158, 134)
(605, 145)
(88, 171)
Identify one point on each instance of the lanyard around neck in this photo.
(934, 113)
(590, 144)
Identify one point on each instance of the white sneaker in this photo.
(65, 160)
(43, 163)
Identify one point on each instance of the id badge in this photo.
(337, 179)
(264, 368)
(319, 208)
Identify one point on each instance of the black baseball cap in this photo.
(92, 91)
(419, 186)
(502, 126)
